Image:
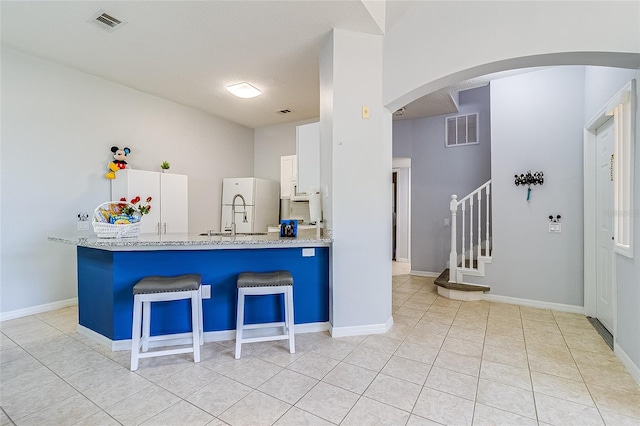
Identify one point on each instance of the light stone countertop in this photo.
(148, 242)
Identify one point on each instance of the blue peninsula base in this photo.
(106, 279)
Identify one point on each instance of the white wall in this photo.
(536, 124)
(58, 126)
(359, 152)
(487, 36)
(628, 270)
(272, 142)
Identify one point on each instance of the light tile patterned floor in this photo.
(443, 362)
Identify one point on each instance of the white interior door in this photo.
(604, 198)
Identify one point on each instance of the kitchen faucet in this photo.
(233, 213)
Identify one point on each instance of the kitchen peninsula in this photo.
(109, 268)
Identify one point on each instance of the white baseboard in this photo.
(632, 368)
(466, 296)
(360, 330)
(97, 337)
(402, 260)
(534, 303)
(19, 313)
(425, 274)
(185, 338)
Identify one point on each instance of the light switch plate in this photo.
(555, 228)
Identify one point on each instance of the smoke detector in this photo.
(107, 21)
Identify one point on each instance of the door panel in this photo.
(604, 239)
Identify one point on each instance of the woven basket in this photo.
(110, 230)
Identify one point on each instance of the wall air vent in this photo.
(107, 21)
(284, 111)
(461, 130)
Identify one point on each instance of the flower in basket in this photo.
(136, 206)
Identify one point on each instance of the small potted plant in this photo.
(165, 166)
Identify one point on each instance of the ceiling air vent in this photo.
(107, 21)
(284, 111)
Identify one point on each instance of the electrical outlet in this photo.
(206, 292)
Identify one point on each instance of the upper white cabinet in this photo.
(288, 175)
(174, 203)
(308, 150)
(170, 200)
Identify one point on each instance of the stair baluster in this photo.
(470, 234)
(480, 223)
(486, 241)
(464, 247)
(468, 253)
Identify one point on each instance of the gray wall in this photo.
(438, 172)
(537, 124)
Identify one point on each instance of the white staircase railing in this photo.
(471, 249)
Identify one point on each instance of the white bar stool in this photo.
(160, 289)
(253, 283)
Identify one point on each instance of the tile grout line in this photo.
(533, 393)
(59, 377)
(581, 375)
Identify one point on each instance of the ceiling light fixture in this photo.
(244, 90)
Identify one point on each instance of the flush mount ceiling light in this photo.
(243, 90)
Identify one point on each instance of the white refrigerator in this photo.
(261, 205)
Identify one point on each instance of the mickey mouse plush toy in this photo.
(118, 163)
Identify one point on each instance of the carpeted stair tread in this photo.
(443, 281)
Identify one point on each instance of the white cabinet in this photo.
(308, 152)
(174, 203)
(170, 201)
(288, 175)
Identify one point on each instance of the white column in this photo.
(356, 180)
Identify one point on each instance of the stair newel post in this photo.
(453, 255)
